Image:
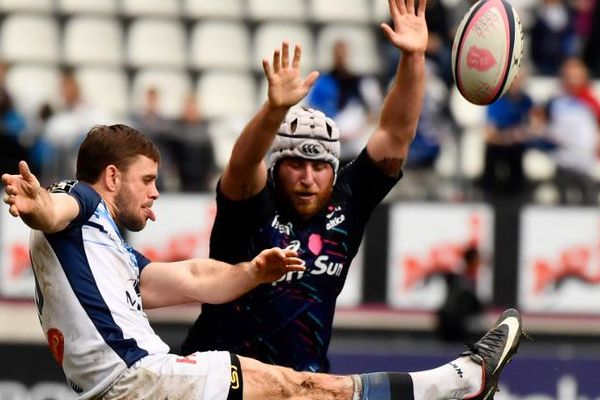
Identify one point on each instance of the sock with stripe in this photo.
(455, 380)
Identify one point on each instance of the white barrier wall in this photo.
(559, 260)
(181, 230)
(427, 240)
(16, 276)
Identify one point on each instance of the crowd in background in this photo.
(562, 41)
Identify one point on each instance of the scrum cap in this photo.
(309, 134)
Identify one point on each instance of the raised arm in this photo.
(211, 281)
(37, 208)
(388, 146)
(246, 172)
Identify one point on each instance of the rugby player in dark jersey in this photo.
(303, 201)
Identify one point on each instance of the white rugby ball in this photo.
(487, 51)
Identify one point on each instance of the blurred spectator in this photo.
(553, 37)
(461, 304)
(12, 126)
(151, 121)
(591, 48)
(573, 127)
(351, 100)
(66, 127)
(195, 154)
(506, 134)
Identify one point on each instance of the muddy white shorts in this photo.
(211, 375)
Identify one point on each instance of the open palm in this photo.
(410, 29)
(286, 86)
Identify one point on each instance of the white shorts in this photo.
(199, 376)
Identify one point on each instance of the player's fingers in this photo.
(276, 61)
(294, 261)
(267, 69)
(399, 6)
(285, 54)
(388, 31)
(297, 56)
(6, 178)
(24, 171)
(13, 210)
(11, 190)
(295, 268)
(290, 252)
(6, 198)
(410, 6)
(310, 80)
(422, 7)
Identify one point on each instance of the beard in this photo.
(128, 214)
(302, 208)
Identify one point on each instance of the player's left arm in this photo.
(212, 281)
(388, 146)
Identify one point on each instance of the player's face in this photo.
(136, 194)
(305, 185)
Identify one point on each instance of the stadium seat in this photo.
(161, 8)
(268, 37)
(104, 33)
(172, 85)
(29, 38)
(227, 94)
(339, 11)
(472, 153)
(26, 5)
(224, 132)
(381, 11)
(105, 88)
(538, 165)
(466, 114)
(207, 49)
(219, 9)
(32, 85)
(156, 42)
(261, 10)
(542, 88)
(362, 43)
(87, 7)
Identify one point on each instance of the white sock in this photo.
(455, 380)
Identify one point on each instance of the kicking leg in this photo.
(474, 375)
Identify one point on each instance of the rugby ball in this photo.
(487, 51)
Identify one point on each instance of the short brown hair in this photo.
(118, 145)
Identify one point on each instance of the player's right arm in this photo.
(39, 209)
(246, 172)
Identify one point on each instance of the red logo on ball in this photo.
(56, 341)
(480, 59)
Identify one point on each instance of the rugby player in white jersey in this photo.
(92, 289)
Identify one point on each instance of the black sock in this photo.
(385, 386)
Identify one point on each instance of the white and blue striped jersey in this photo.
(88, 296)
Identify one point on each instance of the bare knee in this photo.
(263, 381)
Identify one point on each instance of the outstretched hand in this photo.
(286, 87)
(271, 264)
(410, 29)
(21, 191)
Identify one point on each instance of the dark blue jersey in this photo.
(289, 322)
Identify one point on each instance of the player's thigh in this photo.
(199, 376)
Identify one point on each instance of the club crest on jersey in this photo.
(56, 342)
